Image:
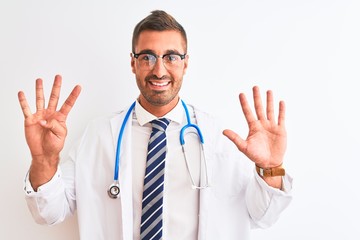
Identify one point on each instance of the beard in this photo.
(161, 97)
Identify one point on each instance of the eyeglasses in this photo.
(171, 61)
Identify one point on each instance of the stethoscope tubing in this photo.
(118, 147)
(114, 189)
(189, 124)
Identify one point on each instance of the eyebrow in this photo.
(149, 51)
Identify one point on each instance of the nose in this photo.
(159, 68)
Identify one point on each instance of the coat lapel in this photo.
(202, 122)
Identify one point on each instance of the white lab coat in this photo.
(237, 200)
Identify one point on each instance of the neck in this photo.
(158, 110)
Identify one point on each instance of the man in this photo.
(209, 194)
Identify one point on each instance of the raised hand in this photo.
(45, 130)
(265, 144)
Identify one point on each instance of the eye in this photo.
(147, 57)
(144, 57)
(171, 57)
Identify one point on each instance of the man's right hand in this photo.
(45, 130)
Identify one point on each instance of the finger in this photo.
(258, 103)
(246, 109)
(40, 100)
(281, 118)
(70, 101)
(269, 106)
(236, 139)
(24, 104)
(55, 93)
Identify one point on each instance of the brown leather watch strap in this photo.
(271, 172)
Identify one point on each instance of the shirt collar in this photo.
(143, 116)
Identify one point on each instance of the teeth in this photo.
(160, 84)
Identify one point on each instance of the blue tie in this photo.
(152, 203)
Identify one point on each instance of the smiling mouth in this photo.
(159, 84)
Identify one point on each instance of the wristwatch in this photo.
(271, 172)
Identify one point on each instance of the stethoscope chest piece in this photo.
(114, 190)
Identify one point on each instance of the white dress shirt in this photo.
(181, 202)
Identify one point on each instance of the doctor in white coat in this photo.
(240, 186)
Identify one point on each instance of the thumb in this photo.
(236, 139)
(52, 126)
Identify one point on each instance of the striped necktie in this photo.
(152, 203)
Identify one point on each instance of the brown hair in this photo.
(158, 20)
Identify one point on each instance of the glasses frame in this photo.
(137, 55)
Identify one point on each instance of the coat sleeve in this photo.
(55, 200)
(265, 203)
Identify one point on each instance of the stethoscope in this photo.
(114, 189)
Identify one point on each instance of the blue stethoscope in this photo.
(114, 189)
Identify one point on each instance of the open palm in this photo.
(266, 141)
(45, 130)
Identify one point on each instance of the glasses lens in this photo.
(171, 61)
(146, 61)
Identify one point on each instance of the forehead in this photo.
(160, 41)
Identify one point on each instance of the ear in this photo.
(132, 63)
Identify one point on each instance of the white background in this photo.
(306, 51)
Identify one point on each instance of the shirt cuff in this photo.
(286, 184)
(43, 189)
